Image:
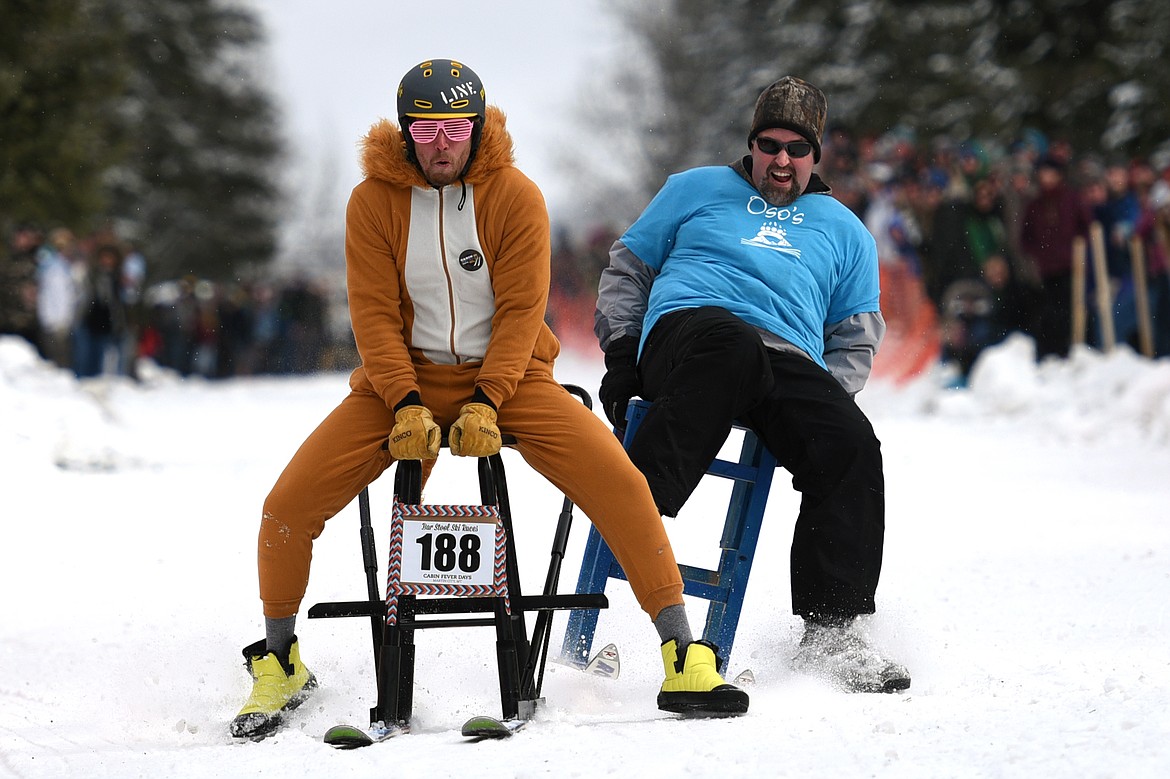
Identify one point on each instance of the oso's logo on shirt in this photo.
(772, 236)
(471, 260)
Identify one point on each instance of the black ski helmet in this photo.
(440, 89)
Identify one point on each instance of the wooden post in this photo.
(1078, 291)
(1141, 294)
(1104, 292)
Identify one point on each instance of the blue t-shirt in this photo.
(714, 241)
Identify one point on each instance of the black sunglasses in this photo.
(795, 149)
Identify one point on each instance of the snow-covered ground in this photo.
(1026, 582)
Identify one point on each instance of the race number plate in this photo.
(445, 550)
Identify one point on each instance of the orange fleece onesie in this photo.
(447, 293)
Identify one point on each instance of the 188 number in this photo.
(440, 551)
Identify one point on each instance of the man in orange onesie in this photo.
(447, 259)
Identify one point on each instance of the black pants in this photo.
(704, 369)
(1054, 326)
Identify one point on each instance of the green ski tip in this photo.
(484, 727)
(347, 737)
(350, 737)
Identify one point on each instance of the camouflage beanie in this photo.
(794, 105)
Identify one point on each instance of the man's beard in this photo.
(441, 177)
(776, 195)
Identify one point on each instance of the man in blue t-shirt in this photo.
(747, 293)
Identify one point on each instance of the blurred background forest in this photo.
(149, 122)
(144, 118)
(1091, 72)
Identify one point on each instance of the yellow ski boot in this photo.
(279, 685)
(693, 684)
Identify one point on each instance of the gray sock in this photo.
(672, 622)
(279, 634)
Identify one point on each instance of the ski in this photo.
(352, 737)
(745, 678)
(484, 728)
(605, 663)
(480, 728)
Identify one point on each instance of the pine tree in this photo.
(58, 81)
(147, 118)
(198, 188)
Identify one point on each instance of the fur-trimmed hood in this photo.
(383, 153)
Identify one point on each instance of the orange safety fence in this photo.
(571, 319)
(912, 343)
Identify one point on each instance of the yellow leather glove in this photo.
(415, 435)
(475, 433)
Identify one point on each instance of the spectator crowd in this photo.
(87, 306)
(976, 240)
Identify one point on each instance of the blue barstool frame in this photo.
(723, 587)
